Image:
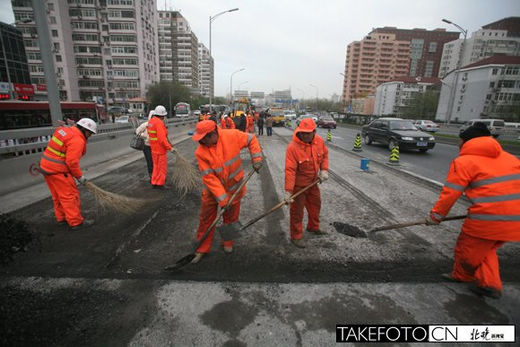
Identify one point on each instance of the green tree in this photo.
(159, 94)
(422, 105)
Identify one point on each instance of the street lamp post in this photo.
(317, 92)
(451, 101)
(211, 19)
(231, 83)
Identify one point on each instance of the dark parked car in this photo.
(326, 122)
(397, 131)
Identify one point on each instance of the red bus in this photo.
(31, 114)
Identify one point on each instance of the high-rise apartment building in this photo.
(377, 58)
(15, 81)
(179, 50)
(101, 48)
(206, 77)
(425, 48)
(500, 37)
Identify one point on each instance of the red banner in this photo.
(23, 89)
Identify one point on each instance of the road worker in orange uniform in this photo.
(159, 145)
(226, 122)
(218, 156)
(306, 160)
(250, 128)
(490, 178)
(60, 165)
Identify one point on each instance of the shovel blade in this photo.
(229, 231)
(180, 263)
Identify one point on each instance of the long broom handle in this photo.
(277, 206)
(417, 222)
(222, 210)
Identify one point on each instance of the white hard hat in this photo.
(88, 124)
(160, 111)
(150, 114)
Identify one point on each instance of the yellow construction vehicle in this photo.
(278, 115)
(240, 106)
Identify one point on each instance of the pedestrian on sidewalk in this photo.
(218, 156)
(306, 159)
(490, 178)
(60, 165)
(142, 131)
(260, 124)
(159, 145)
(269, 125)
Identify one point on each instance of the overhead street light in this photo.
(211, 19)
(451, 101)
(231, 83)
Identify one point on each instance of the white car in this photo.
(123, 119)
(426, 125)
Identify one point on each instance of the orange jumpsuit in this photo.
(222, 173)
(302, 164)
(159, 145)
(60, 164)
(227, 123)
(490, 178)
(250, 127)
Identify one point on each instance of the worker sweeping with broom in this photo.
(218, 156)
(159, 144)
(60, 165)
(306, 162)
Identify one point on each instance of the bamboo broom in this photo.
(184, 176)
(117, 202)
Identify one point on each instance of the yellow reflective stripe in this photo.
(54, 160)
(58, 153)
(153, 139)
(152, 131)
(57, 140)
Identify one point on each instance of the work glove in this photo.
(288, 197)
(173, 150)
(431, 221)
(258, 165)
(82, 180)
(224, 204)
(323, 176)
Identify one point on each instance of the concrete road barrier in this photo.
(20, 171)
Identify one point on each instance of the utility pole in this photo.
(40, 17)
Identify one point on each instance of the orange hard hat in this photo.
(203, 128)
(307, 125)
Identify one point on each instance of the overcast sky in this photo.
(294, 43)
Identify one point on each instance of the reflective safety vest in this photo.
(490, 179)
(158, 136)
(221, 166)
(64, 151)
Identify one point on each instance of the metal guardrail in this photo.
(18, 142)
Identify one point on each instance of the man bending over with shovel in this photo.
(490, 178)
(306, 162)
(218, 156)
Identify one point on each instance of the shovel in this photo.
(417, 222)
(232, 231)
(188, 258)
